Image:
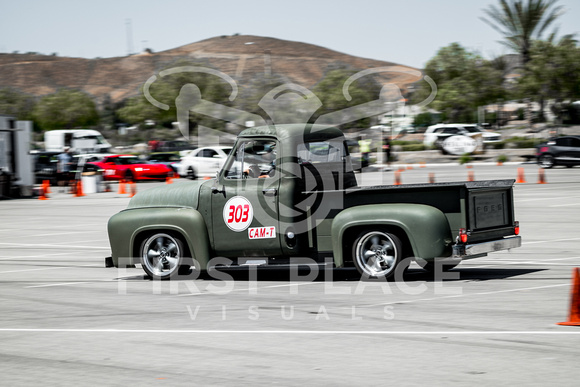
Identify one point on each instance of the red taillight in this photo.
(543, 149)
(463, 235)
(517, 228)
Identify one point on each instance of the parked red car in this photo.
(131, 167)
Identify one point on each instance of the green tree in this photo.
(464, 82)
(520, 22)
(65, 109)
(166, 90)
(16, 104)
(329, 91)
(553, 73)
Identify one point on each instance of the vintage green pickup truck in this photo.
(288, 193)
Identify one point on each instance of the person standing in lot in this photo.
(387, 151)
(63, 167)
(365, 150)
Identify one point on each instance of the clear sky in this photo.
(408, 32)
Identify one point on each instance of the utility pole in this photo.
(129, 30)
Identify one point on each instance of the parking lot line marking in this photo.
(508, 262)
(545, 198)
(303, 332)
(256, 289)
(464, 295)
(60, 284)
(65, 232)
(564, 205)
(551, 241)
(32, 246)
(46, 268)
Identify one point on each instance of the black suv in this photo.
(559, 151)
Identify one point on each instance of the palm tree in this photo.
(521, 22)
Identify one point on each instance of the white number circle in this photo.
(238, 213)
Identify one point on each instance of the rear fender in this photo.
(426, 227)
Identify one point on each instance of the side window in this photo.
(563, 142)
(451, 130)
(323, 165)
(320, 152)
(253, 159)
(207, 153)
(575, 142)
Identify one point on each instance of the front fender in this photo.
(426, 227)
(125, 227)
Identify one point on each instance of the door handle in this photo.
(270, 191)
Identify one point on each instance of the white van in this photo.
(78, 140)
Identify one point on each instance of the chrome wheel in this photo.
(161, 256)
(546, 161)
(376, 254)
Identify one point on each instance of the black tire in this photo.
(129, 175)
(191, 173)
(163, 256)
(546, 161)
(377, 254)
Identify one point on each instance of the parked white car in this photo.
(440, 132)
(204, 161)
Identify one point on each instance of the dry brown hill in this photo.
(241, 56)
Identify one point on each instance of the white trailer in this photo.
(16, 175)
(78, 140)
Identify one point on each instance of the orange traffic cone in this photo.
(46, 184)
(122, 187)
(207, 178)
(541, 176)
(133, 186)
(470, 176)
(79, 190)
(409, 167)
(42, 195)
(574, 316)
(431, 178)
(422, 165)
(398, 178)
(521, 177)
(169, 178)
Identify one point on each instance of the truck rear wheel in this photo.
(376, 254)
(162, 256)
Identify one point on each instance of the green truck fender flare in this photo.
(426, 227)
(129, 226)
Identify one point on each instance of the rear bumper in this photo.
(479, 249)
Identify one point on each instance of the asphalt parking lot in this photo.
(66, 320)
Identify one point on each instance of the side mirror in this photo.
(215, 187)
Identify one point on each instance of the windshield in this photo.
(128, 160)
(97, 137)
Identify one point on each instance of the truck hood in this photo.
(184, 194)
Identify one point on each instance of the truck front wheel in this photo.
(162, 256)
(376, 254)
